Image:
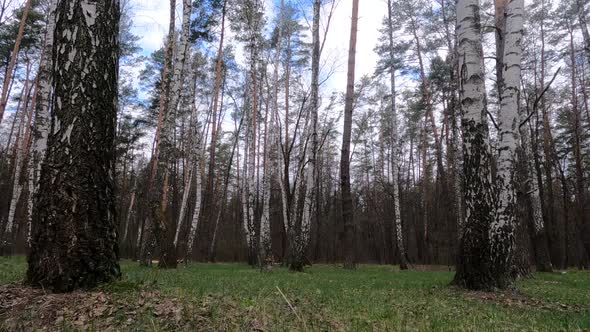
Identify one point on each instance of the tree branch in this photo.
(536, 103)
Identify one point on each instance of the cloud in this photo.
(150, 21)
(338, 39)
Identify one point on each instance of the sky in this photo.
(151, 17)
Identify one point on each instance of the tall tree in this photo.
(74, 238)
(510, 26)
(347, 206)
(473, 270)
(399, 239)
(13, 57)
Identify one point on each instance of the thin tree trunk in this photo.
(198, 199)
(265, 250)
(130, 211)
(209, 206)
(396, 151)
(302, 238)
(13, 57)
(539, 233)
(20, 145)
(347, 206)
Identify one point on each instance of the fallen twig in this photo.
(292, 308)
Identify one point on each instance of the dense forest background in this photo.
(225, 108)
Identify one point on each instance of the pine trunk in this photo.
(13, 58)
(347, 206)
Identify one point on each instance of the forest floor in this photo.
(235, 297)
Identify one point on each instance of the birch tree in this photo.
(74, 238)
(302, 236)
(472, 265)
(265, 255)
(20, 145)
(42, 107)
(396, 145)
(502, 229)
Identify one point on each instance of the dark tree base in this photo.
(65, 275)
(296, 267)
(481, 278)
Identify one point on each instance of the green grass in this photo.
(237, 297)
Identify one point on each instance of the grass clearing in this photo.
(237, 297)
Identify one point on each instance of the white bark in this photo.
(245, 189)
(42, 115)
(198, 198)
(502, 229)
(180, 59)
(181, 215)
(312, 147)
(193, 149)
(283, 186)
(473, 266)
(265, 236)
(18, 163)
(396, 148)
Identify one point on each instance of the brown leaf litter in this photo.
(514, 298)
(24, 308)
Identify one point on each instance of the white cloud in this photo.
(151, 19)
(337, 42)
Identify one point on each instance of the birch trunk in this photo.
(180, 59)
(74, 237)
(253, 95)
(472, 265)
(265, 250)
(245, 188)
(397, 222)
(177, 80)
(42, 106)
(18, 156)
(302, 238)
(502, 229)
(198, 200)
